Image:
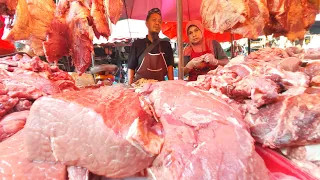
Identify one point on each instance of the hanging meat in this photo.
(291, 18)
(246, 18)
(114, 9)
(30, 22)
(71, 32)
(100, 19)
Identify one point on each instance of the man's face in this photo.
(154, 23)
(194, 34)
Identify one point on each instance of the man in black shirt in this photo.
(158, 62)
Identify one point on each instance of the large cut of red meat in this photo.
(31, 22)
(292, 120)
(109, 130)
(290, 18)
(203, 136)
(15, 164)
(246, 18)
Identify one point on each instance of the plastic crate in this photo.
(277, 163)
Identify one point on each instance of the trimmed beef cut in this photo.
(12, 123)
(15, 164)
(246, 18)
(203, 136)
(292, 120)
(109, 130)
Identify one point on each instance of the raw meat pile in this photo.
(117, 132)
(291, 18)
(22, 81)
(62, 30)
(275, 94)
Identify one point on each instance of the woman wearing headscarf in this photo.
(201, 55)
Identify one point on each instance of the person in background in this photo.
(159, 61)
(201, 55)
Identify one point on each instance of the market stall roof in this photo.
(137, 9)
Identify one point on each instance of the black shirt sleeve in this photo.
(133, 59)
(168, 53)
(218, 51)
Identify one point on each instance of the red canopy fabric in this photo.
(170, 30)
(138, 9)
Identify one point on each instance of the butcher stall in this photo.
(257, 117)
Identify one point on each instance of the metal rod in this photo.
(249, 46)
(180, 39)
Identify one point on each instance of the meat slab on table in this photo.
(109, 130)
(292, 120)
(205, 137)
(15, 164)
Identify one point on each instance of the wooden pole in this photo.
(180, 39)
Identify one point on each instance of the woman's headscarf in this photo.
(201, 46)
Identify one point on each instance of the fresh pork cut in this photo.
(292, 120)
(205, 137)
(15, 164)
(109, 130)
